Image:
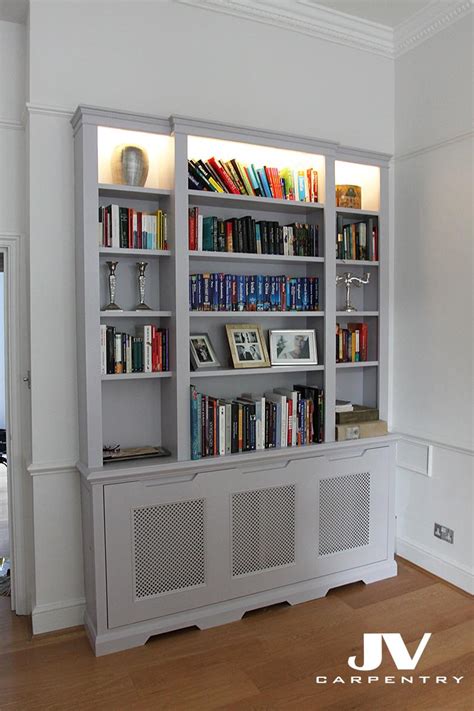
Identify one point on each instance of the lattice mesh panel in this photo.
(344, 513)
(169, 547)
(263, 529)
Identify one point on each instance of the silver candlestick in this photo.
(142, 306)
(349, 280)
(112, 279)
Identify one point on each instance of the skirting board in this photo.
(453, 573)
(57, 616)
(221, 613)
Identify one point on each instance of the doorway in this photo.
(5, 551)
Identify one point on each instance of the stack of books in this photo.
(357, 421)
(279, 418)
(236, 292)
(248, 236)
(234, 177)
(352, 343)
(357, 240)
(127, 228)
(145, 352)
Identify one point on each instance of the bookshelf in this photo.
(138, 409)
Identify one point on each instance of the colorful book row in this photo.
(146, 352)
(352, 343)
(126, 228)
(231, 292)
(248, 236)
(279, 418)
(357, 240)
(234, 177)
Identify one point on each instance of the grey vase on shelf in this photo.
(129, 165)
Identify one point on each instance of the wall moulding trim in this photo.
(426, 23)
(57, 615)
(11, 124)
(308, 18)
(426, 439)
(45, 468)
(464, 136)
(44, 110)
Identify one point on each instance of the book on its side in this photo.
(360, 413)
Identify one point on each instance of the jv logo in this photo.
(395, 645)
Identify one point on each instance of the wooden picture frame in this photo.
(293, 347)
(247, 346)
(202, 352)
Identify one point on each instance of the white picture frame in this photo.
(293, 347)
(202, 352)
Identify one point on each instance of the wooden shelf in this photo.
(131, 192)
(354, 211)
(136, 314)
(274, 370)
(359, 364)
(255, 314)
(241, 257)
(356, 314)
(356, 263)
(251, 202)
(112, 252)
(137, 376)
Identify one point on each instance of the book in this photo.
(360, 430)
(359, 413)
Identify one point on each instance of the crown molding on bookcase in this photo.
(427, 22)
(232, 132)
(309, 18)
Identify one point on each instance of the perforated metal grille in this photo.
(169, 547)
(263, 529)
(344, 513)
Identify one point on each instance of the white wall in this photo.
(433, 308)
(159, 58)
(13, 216)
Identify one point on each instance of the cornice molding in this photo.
(48, 468)
(465, 136)
(426, 23)
(310, 18)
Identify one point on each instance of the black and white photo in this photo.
(202, 353)
(293, 347)
(247, 346)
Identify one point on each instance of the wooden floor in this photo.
(268, 660)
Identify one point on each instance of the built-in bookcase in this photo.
(153, 408)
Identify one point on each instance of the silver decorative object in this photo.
(348, 279)
(129, 165)
(112, 306)
(141, 286)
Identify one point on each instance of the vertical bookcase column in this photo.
(87, 292)
(384, 293)
(330, 300)
(179, 202)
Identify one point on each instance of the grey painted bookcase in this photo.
(173, 542)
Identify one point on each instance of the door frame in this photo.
(16, 380)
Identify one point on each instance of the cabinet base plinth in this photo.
(233, 610)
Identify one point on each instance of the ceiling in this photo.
(385, 12)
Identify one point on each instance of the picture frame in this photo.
(247, 346)
(293, 347)
(202, 352)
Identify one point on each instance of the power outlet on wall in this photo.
(443, 532)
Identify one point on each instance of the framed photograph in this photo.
(202, 352)
(247, 346)
(295, 347)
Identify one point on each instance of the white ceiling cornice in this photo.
(426, 23)
(309, 18)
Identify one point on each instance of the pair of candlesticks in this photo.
(112, 281)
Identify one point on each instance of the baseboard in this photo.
(57, 616)
(459, 575)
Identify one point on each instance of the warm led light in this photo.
(157, 146)
(367, 176)
(246, 153)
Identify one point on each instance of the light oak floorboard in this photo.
(268, 660)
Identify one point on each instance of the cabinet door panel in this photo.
(352, 498)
